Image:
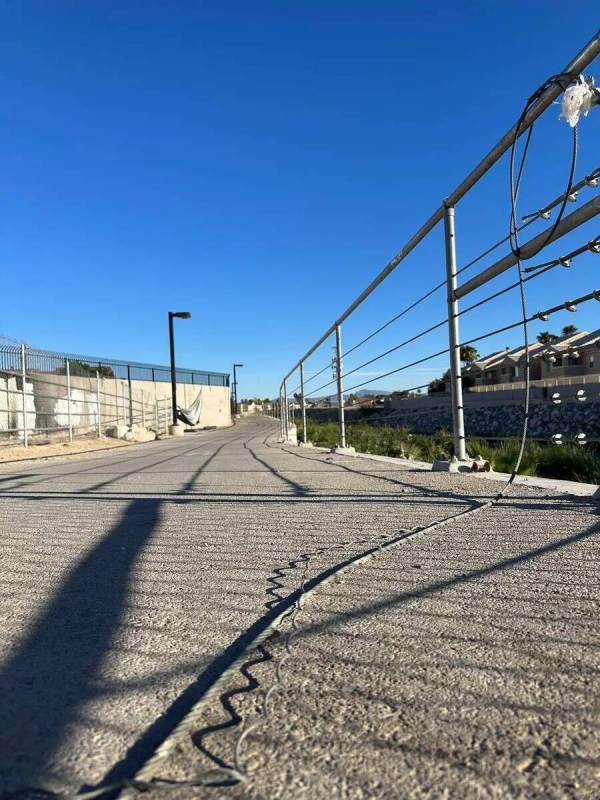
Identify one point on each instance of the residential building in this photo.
(569, 356)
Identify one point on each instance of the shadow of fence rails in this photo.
(159, 730)
(54, 668)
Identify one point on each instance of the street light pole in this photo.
(172, 315)
(235, 391)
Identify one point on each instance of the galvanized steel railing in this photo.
(446, 212)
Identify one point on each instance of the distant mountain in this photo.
(361, 393)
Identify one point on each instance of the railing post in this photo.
(456, 396)
(130, 396)
(23, 397)
(98, 407)
(280, 414)
(69, 420)
(304, 439)
(340, 385)
(285, 414)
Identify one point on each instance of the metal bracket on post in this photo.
(24, 398)
(69, 420)
(459, 460)
(342, 449)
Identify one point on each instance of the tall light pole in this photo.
(172, 315)
(235, 392)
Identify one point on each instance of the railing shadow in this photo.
(52, 672)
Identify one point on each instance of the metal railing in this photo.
(563, 225)
(44, 394)
(48, 361)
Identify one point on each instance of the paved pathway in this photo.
(464, 664)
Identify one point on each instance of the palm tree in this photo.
(569, 330)
(545, 337)
(468, 354)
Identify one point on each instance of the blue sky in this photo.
(257, 163)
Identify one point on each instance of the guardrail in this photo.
(563, 225)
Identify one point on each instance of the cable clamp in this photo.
(594, 245)
(543, 213)
(592, 178)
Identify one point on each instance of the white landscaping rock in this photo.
(117, 431)
(139, 434)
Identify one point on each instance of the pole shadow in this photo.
(54, 669)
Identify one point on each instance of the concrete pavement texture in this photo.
(463, 663)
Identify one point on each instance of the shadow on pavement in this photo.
(53, 670)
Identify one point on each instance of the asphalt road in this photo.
(464, 664)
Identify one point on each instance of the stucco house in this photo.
(569, 356)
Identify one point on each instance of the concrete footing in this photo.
(344, 451)
(176, 430)
(454, 465)
(305, 444)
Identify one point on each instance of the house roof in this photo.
(537, 349)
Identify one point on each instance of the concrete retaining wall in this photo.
(47, 406)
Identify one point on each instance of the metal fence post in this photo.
(281, 420)
(167, 416)
(286, 411)
(143, 411)
(156, 414)
(130, 396)
(304, 439)
(69, 420)
(24, 399)
(98, 407)
(456, 396)
(340, 384)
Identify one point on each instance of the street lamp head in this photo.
(238, 365)
(180, 314)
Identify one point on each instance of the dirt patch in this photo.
(19, 453)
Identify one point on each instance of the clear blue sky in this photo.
(257, 163)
